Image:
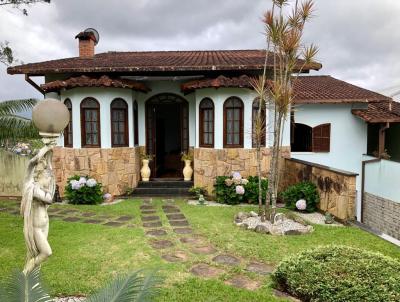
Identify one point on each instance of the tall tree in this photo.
(6, 53)
(284, 35)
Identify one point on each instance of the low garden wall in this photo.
(337, 188)
(210, 163)
(117, 169)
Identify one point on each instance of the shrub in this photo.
(303, 190)
(230, 190)
(251, 194)
(339, 274)
(83, 190)
(198, 191)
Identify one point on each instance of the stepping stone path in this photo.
(206, 271)
(156, 233)
(176, 217)
(260, 268)
(148, 212)
(152, 224)
(226, 260)
(71, 219)
(84, 214)
(161, 244)
(205, 250)
(114, 224)
(243, 282)
(183, 231)
(124, 218)
(178, 256)
(192, 240)
(150, 218)
(93, 221)
(179, 223)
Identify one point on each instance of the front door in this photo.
(167, 134)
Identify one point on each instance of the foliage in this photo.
(13, 127)
(303, 190)
(198, 191)
(145, 156)
(6, 53)
(186, 156)
(130, 288)
(21, 287)
(83, 190)
(230, 190)
(340, 274)
(251, 194)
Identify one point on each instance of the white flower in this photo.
(107, 196)
(244, 181)
(91, 182)
(301, 204)
(239, 190)
(82, 181)
(75, 185)
(236, 175)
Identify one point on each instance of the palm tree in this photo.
(12, 126)
(135, 287)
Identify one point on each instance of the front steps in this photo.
(164, 188)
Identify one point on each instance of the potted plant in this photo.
(187, 170)
(145, 170)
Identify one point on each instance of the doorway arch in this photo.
(167, 133)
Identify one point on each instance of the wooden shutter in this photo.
(321, 138)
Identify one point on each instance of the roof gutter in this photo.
(36, 86)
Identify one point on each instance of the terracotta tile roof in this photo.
(221, 81)
(328, 90)
(85, 81)
(382, 112)
(155, 61)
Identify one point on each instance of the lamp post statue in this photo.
(50, 117)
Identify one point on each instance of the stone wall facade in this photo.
(117, 168)
(210, 163)
(337, 189)
(382, 214)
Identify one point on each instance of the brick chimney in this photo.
(87, 41)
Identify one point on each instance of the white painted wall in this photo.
(348, 138)
(383, 179)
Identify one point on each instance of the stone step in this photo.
(161, 191)
(165, 184)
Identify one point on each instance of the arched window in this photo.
(119, 123)
(233, 123)
(68, 137)
(206, 109)
(302, 138)
(321, 138)
(90, 123)
(261, 127)
(136, 123)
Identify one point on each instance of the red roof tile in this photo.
(382, 112)
(221, 81)
(156, 61)
(85, 81)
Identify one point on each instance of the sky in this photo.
(359, 40)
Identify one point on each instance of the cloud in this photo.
(358, 39)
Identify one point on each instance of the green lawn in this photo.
(86, 256)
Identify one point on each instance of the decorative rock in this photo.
(178, 256)
(206, 271)
(179, 223)
(161, 244)
(156, 233)
(152, 224)
(227, 260)
(259, 268)
(240, 281)
(206, 250)
(183, 231)
(239, 217)
(253, 214)
(262, 229)
(244, 226)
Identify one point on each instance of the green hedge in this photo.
(303, 190)
(340, 274)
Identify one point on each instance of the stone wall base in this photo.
(382, 214)
(337, 189)
(210, 163)
(117, 169)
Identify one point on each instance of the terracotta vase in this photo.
(145, 171)
(187, 171)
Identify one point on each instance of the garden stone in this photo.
(183, 231)
(176, 216)
(206, 271)
(240, 281)
(93, 221)
(244, 226)
(124, 218)
(253, 214)
(156, 233)
(262, 229)
(148, 212)
(161, 244)
(67, 211)
(113, 224)
(178, 256)
(87, 214)
(71, 219)
(147, 207)
(152, 224)
(192, 240)
(260, 268)
(150, 218)
(179, 223)
(171, 210)
(205, 250)
(227, 260)
(239, 217)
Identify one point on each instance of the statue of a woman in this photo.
(38, 193)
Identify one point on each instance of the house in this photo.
(167, 102)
